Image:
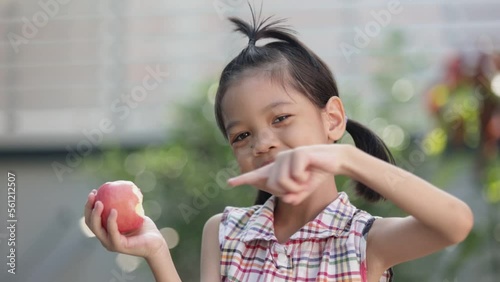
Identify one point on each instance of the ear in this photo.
(334, 119)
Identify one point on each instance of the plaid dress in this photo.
(332, 247)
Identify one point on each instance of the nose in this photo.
(265, 141)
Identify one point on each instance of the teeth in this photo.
(138, 208)
(138, 193)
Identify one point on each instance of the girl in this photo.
(278, 107)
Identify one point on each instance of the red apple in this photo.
(126, 199)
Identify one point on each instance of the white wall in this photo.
(65, 77)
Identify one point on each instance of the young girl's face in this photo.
(263, 118)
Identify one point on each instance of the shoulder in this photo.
(235, 218)
(239, 213)
(230, 222)
(354, 219)
(210, 252)
(211, 230)
(362, 221)
(231, 215)
(212, 224)
(246, 224)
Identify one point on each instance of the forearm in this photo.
(162, 266)
(431, 206)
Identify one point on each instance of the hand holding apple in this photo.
(146, 241)
(116, 208)
(126, 199)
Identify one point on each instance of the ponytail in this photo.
(367, 141)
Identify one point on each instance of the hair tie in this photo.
(252, 41)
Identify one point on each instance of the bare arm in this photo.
(210, 251)
(437, 219)
(162, 266)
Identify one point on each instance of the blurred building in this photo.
(65, 66)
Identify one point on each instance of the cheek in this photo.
(244, 160)
(307, 133)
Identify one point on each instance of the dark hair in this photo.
(288, 59)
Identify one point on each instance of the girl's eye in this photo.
(280, 119)
(241, 136)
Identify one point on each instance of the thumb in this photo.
(254, 177)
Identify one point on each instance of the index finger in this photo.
(253, 177)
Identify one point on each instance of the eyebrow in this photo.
(265, 109)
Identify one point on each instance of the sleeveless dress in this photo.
(332, 247)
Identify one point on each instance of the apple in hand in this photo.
(126, 199)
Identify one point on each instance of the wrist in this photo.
(162, 265)
(160, 253)
(345, 158)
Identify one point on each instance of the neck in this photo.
(288, 219)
